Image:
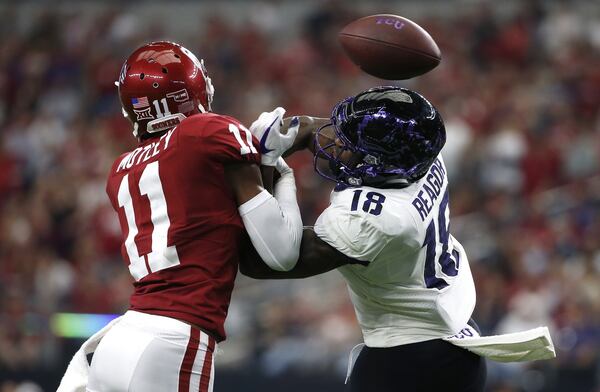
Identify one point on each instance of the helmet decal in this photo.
(122, 74)
(179, 96)
(143, 114)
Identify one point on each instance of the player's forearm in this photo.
(308, 265)
(306, 133)
(274, 223)
(316, 257)
(267, 177)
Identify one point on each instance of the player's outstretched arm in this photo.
(316, 257)
(268, 235)
(307, 128)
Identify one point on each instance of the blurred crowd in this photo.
(520, 95)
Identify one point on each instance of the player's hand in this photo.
(267, 129)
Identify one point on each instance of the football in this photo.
(390, 46)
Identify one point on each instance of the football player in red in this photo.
(185, 197)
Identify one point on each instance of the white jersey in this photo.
(418, 285)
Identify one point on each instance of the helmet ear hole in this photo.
(155, 85)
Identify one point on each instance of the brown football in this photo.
(390, 46)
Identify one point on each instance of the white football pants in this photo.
(149, 353)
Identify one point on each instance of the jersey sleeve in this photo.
(351, 233)
(226, 140)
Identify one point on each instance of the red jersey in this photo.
(179, 219)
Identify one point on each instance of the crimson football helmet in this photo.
(160, 84)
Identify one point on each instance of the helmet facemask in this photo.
(340, 164)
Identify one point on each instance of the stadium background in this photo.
(519, 88)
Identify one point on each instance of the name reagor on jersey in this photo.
(431, 189)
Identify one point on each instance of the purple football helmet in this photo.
(395, 134)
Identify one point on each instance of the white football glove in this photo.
(267, 129)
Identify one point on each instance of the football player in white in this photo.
(390, 209)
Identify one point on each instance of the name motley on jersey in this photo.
(431, 189)
(142, 154)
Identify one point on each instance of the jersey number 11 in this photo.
(161, 256)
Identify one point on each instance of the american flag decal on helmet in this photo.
(139, 103)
